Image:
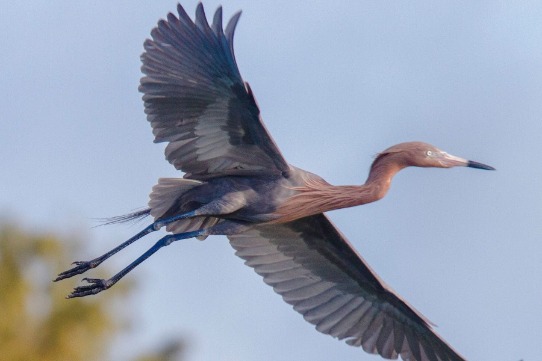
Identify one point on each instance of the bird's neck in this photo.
(379, 180)
(318, 196)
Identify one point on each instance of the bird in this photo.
(237, 183)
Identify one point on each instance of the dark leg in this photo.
(83, 266)
(97, 285)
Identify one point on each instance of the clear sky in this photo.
(336, 82)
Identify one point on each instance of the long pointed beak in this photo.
(473, 164)
(449, 160)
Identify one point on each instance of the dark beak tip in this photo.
(477, 165)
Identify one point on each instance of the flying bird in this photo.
(238, 184)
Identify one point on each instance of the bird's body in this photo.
(238, 184)
(286, 196)
(253, 200)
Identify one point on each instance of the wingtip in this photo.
(180, 9)
(232, 24)
(217, 20)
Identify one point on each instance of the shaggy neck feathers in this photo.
(317, 196)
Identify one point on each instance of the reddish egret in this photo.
(238, 184)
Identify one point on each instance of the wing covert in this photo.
(196, 100)
(314, 268)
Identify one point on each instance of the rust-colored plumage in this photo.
(238, 184)
(318, 196)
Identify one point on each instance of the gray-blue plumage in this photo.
(238, 184)
(196, 100)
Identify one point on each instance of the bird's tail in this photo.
(130, 217)
(166, 194)
(162, 198)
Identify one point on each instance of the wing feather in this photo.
(314, 268)
(196, 100)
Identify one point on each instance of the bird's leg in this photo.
(97, 285)
(83, 266)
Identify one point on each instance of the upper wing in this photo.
(314, 268)
(196, 100)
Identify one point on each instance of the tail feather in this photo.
(130, 217)
(162, 198)
(166, 192)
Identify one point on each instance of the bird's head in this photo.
(419, 154)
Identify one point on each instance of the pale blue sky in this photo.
(336, 82)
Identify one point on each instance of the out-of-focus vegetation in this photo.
(38, 323)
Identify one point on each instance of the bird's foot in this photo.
(81, 267)
(96, 285)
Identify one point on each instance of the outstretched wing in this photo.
(314, 268)
(195, 100)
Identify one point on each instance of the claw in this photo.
(96, 285)
(81, 267)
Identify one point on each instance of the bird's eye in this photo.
(429, 153)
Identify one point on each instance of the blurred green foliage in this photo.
(38, 323)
